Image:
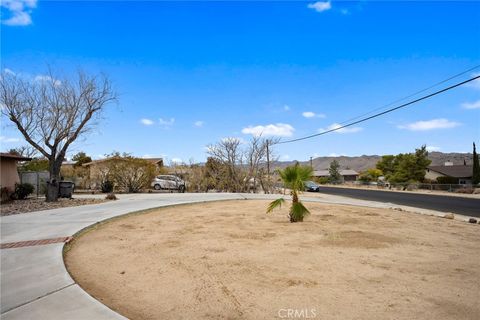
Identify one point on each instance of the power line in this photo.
(411, 95)
(384, 112)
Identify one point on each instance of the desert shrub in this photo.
(322, 180)
(23, 190)
(111, 196)
(370, 175)
(465, 190)
(131, 174)
(447, 180)
(6, 195)
(106, 186)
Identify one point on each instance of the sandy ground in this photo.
(229, 260)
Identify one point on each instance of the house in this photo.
(348, 175)
(8, 169)
(461, 174)
(98, 169)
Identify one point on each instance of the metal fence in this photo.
(37, 179)
(459, 188)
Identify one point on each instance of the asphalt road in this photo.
(459, 205)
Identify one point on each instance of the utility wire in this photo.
(411, 95)
(384, 112)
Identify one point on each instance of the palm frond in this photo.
(298, 211)
(274, 204)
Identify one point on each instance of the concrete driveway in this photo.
(34, 281)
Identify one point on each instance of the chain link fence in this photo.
(38, 179)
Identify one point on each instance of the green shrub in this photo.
(322, 180)
(23, 190)
(447, 180)
(107, 186)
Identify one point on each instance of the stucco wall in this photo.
(432, 175)
(8, 173)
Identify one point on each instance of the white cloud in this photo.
(9, 71)
(48, 79)
(430, 125)
(333, 154)
(471, 105)
(278, 130)
(334, 126)
(166, 123)
(320, 6)
(147, 122)
(176, 161)
(310, 114)
(475, 83)
(19, 12)
(286, 108)
(432, 148)
(199, 124)
(345, 11)
(4, 139)
(285, 157)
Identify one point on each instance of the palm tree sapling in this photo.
(294, 178)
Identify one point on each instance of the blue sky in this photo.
(191, 73)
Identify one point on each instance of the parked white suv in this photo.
(168, 182)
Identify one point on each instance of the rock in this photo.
(476, 191)
(449, 216)
(472, 220)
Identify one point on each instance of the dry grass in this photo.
(229, 260)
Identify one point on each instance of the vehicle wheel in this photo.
(181, 189)
(157, 187)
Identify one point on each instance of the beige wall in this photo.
(432, 175)
(8, 173)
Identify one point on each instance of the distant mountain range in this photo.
(362, 163)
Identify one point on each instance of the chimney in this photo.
(448, 163)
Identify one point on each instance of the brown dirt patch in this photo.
(30, 205)
(229, 260)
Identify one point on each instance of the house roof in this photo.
(456, 171)
(13, 157)
(325, 173)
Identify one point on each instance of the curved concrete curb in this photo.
(34, 281)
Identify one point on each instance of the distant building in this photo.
(348, 175)
(461, 174)
(9, 172)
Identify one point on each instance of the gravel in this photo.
(33, 204)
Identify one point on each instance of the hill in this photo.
(361, 163)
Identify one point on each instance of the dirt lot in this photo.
(229, 260)
(29, 205)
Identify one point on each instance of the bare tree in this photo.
(267, 158)
(52, 113)
(25, 151)
(229, 152)
(245, 163)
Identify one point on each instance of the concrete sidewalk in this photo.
(34, 281)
